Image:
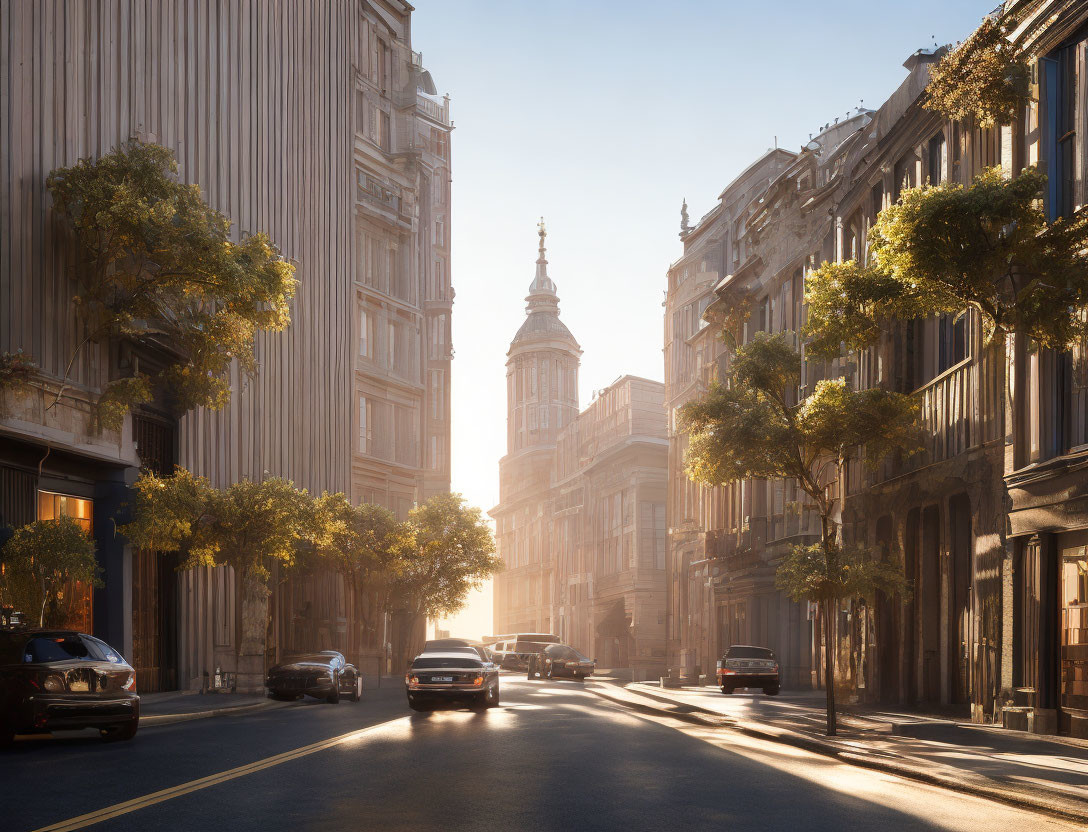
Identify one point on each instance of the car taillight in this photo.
(130, 683)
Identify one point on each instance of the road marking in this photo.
(135, 804)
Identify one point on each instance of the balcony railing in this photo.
(438, 110)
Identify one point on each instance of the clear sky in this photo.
(602, 116)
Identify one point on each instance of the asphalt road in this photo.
(553, 756)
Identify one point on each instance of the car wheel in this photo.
(120, 733)
(726, 689)
(417, 704)
(357, 689)
(771, 690)
(550, 672)
(491, 699)
(334, 697)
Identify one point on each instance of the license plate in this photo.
(74, 686)
(441, 678)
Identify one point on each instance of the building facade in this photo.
(989, 517)
(271, 111)
(580, 524)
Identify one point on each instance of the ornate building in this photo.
(581, 518)
(542, 398)
(990, 516)
(333, 143)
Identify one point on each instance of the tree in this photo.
(983, 81)
(753, 427)
(248, 526)
(366, 545)
(42, 557)
(945, 248)
(449, 551)
(160, 268)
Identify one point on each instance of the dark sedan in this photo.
(448, 676)
(325, 675)
(62, 680)
(561, 660)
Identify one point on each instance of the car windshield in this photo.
(749, 653)
(45, 649)
(444, 661)
(529, 647)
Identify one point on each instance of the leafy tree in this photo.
(17, 369)
(982, 82)
(754, 428)
(944, 248)
(41, 558)
(248, 526)
(159, 267)
(366, 545)
(449, 552)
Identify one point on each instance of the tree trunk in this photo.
(250, 632)
(829, 665)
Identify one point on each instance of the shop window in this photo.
(1074, 624)
(74, 608)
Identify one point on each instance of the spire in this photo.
(685, 223)
(542, 309)
(542, 284)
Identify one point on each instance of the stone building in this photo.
(692, 349)
(989, 518)
(581, 518)
(315, 124)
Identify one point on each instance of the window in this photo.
(440, 232)
(366, 426)
(1060, 78)
(935, 160)
(366, 333)
(384, 138)
(46, 650)
(952, 347)
(1074, 627)
(391, 345)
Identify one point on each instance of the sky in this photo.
(602, 117)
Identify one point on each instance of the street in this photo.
(553, 756)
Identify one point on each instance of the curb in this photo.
(154, 720)
(697, 716)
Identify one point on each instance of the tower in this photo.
(541, 368)
(541, 400)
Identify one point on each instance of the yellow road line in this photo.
(204, 782)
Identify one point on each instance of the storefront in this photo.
(1073, 635)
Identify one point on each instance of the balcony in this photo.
(437, 110)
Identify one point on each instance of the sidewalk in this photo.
(1044, 773)
(183, 706)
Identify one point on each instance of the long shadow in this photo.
(577, 764)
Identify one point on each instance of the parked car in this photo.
(517, 654)
(745, 666)
(451, 676)
(563, 660)
(513, 651)
(53, 680)
(458, 645)
(324, 675)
